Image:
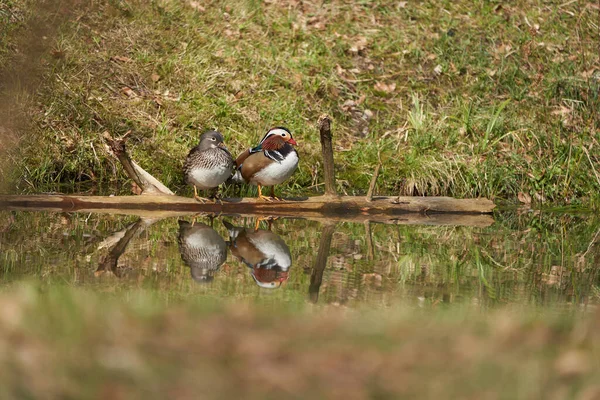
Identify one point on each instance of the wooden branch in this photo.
(327, 150)
(146, 182)
(395, 210)
(373, 183)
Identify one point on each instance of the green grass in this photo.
(458, 98)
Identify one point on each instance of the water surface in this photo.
(525, 259)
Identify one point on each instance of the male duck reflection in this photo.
(263, 251)
(202, 249)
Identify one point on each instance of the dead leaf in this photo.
(316, 22)
(524, 198)
(348, 105)
(359, 45)
(127, 91)
(562, 110)
(384, 87)
(539, 197)
(121, 59)
(589, 73)
(401, 4)
(58, 54)
(197, 6)
(438, 69)
(155, 77)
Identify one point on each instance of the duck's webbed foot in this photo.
(273, 194)
(199, 199)
(261, 196)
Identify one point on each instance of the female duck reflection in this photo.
(263, 251)
(202, 249)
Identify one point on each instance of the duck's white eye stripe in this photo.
(277, 131)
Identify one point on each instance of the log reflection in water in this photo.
(118, 243)
(316, 277)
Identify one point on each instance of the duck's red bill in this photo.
(292, 141)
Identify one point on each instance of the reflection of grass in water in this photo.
(536, 259)
(64, 342)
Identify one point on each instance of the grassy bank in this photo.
(12, 18)
(66, 343)
(457, 98)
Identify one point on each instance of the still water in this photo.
(528, 259)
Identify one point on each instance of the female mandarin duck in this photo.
(209, 164)
(264, 252)
(271, 162)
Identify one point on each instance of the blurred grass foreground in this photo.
(65, 343)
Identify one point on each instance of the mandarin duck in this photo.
(209, 164)
(202, 249)
(270, 163)
(264, 252)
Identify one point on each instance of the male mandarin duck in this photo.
(202, 249)
(270, 163)
(209, 164)
(264, 252)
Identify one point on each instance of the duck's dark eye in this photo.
(283, 134)
(213, 139)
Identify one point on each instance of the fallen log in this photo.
(397, 210)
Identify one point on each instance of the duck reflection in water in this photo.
(202, 249)
(263, 251)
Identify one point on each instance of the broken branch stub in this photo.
(327, 150)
